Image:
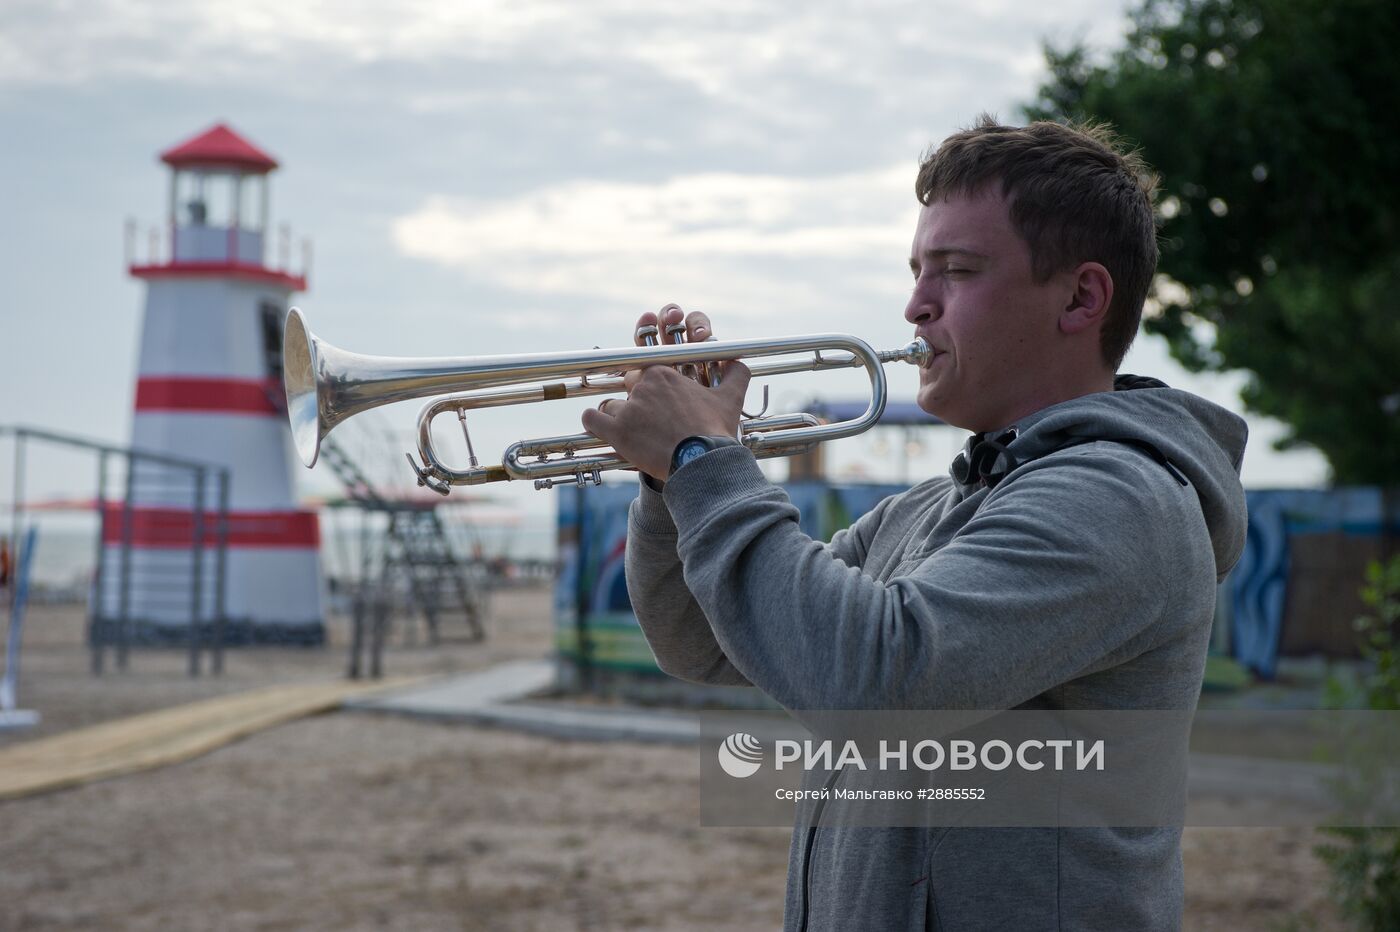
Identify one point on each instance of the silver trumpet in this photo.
(326, 384)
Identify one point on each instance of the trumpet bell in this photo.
(300, 362)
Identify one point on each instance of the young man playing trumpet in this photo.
(1069, 561)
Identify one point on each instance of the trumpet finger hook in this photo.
(762, 411)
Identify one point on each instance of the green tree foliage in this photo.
(1273, 125)
(1365, 862)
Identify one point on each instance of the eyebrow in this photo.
(936, 254)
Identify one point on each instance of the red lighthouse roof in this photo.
(219, 146)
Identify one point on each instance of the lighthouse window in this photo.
(250, 202)
(272, 338)
(204, 199)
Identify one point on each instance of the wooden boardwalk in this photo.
(168, 736)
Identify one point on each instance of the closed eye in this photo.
(948, 272)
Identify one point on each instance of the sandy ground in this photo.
(354, 821)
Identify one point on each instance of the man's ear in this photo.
(1088, 302)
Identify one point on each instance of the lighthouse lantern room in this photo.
(209, 387)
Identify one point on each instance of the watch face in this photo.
(690, 450)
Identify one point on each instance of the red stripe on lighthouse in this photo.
(154, 528)
(221, 269)
(228, 396)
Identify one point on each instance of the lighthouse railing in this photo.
(174, 245)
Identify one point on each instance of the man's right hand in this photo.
(664, 406)
(697, 330)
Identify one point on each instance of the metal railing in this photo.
(179, 584)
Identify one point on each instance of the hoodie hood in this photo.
(1193, 439)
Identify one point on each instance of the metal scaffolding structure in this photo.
(417, 565)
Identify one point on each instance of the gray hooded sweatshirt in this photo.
(1084, 578)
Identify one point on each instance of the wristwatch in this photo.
(692, 448)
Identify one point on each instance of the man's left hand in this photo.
(662, 409)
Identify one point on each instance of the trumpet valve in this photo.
(677, 334)
(712, 374)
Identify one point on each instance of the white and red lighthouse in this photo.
(209, 389)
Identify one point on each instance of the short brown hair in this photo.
(1076, 195)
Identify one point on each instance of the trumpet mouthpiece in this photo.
(916, 353)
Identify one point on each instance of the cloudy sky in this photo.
(487, 176)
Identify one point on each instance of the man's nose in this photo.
(922, 307)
